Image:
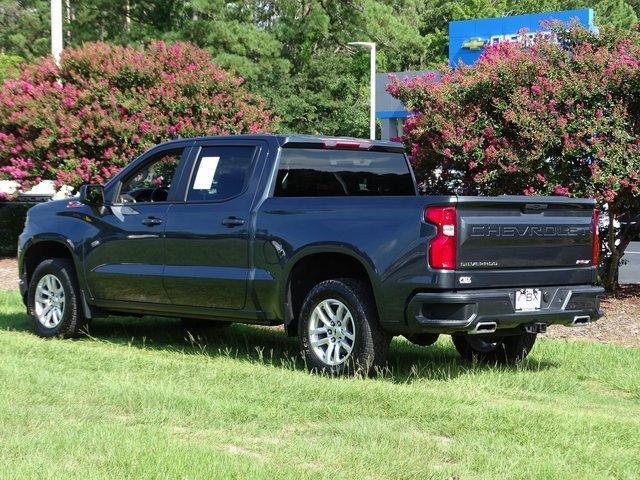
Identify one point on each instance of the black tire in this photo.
(370, 344)
(73, 322)
(422, 339)
(507, 350)
(197, 324)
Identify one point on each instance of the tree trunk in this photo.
(611, 278)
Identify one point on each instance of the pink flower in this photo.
(609, 195)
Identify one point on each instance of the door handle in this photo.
(151, 221)
(232, 222)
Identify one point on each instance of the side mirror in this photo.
(92, 195)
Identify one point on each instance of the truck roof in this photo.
(310, 141)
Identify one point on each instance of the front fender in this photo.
(68, 229)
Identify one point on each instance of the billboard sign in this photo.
(468, 38)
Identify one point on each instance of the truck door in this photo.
(207, 235)
(125, 260)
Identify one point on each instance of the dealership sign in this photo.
(468, 38)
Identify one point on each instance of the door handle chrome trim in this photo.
(151, 221)
(232, 222)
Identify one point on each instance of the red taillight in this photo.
(442, 247)
(595, 252)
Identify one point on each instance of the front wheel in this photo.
(53, 300)
(506, 350)
(339, 330)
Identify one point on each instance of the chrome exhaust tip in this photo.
(485, 327)
(581, 320)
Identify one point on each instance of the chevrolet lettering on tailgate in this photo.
(489, 231)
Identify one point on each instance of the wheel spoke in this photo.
(329, 353)
(322, 317)
(47, 315)
(320, 342)
(318, 331)
(346, 347)
(328, 311)
(337, 353)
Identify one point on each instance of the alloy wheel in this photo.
(49, 301)
(332, 332)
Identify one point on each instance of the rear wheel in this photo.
(53, 299)
(339, 331)
(505, 350)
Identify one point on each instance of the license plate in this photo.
(528, 299)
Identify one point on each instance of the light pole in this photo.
(56, 30)
(372, 83)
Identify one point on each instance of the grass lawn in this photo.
(138, 400)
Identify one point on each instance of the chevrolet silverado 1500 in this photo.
(327, 236)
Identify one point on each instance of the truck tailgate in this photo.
(518, 232)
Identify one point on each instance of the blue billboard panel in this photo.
(468, 38)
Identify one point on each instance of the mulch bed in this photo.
(620, 324)
(8, 274)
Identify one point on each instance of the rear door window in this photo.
(221, 173)
(333, 173)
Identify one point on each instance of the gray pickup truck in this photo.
(327, 236)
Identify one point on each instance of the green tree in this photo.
(9, 66)
(25, 28)
(294, 53)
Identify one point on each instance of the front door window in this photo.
(152, 181)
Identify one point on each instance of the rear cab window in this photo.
(308, 172)
(221, 173)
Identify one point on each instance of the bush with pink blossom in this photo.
(559, 118)
(83, 121)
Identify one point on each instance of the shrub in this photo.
(559, 118)
(105, 104)
(12, 218)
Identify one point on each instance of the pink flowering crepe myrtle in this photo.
(558, 118)
(106, 104)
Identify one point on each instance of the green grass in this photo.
(138, 400)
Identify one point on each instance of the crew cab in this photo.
(328, 236)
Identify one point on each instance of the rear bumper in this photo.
(464, 311)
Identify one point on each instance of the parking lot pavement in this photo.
(630, 272)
